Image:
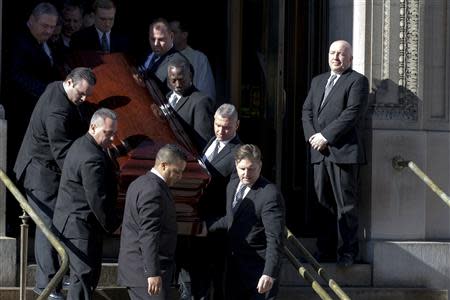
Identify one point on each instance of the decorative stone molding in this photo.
(386, 38)
(392, 101)
(409, 44)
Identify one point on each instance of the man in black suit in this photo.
(86, 203)
(194, 108)
(255, 224)
(100, 36)
(154, 64)
(332, 115)
(31, 66)
(149, 230)
(55, 123)
(208, 253)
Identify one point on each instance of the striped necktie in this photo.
(238, 197)
(328, 88)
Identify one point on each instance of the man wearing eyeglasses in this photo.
(55, 123)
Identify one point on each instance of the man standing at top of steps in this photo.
(332, 115)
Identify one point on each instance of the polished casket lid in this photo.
(145, 123)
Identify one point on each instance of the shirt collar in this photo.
(154, 171)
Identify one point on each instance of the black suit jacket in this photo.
(87, 193)
(339, 119)
(255, 230)
(55, 124)
(195, 111)
(29, 72)
(87, 39)
(221, 168)
(158, 70)
(149, 231)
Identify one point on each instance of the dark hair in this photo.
(157, 24)
(81, 73)
(248, 151)
(69, 6)
(181, 63)
(171, 153)
(105, 4)
(183, 26)
(44, 8)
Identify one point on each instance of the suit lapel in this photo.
(335, 88)
(181, 102)
(321, 90)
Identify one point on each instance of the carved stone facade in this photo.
(399, 37)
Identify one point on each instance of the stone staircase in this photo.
(356, 281)
(394, 276)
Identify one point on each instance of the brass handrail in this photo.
(399, 163)
(48, 234)
(306, 275)
(317, 267)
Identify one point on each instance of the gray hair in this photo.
(101, 115)
(228, 111)
(248, 151)
(82, 73)
(44, 8)
(170, 154)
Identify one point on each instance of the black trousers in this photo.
(47, 260)
(85, 261)
(337, 188)
(141, 293)
(208, 267)
(240, 287)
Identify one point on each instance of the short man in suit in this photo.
(55, 124)
(194, 108)
(149, 230)
(332, 115)
(209, 252)
(85, 207)
(100, 36)
(255, 224)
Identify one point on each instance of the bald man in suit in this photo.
(332, 116)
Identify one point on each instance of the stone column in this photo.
(7, 245)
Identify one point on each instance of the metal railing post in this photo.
(317, 267)
(306, 275)
(46, 231)
(23, 255)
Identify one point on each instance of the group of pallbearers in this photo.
(70, 181)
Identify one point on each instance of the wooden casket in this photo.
(145, 123)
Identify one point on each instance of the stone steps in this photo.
(286, 293)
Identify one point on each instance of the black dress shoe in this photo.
(346, 260)
(53, 295)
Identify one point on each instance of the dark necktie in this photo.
(215, 151)
(328, 88)
(238, 197)
(105, 46)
